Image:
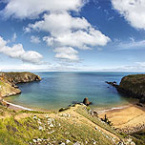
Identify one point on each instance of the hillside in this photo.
(9, 80)
(74, 126)
(20, 77)
(133, 86)
(6, 89)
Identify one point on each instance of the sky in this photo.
(72, 35)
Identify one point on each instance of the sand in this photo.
(128, 119)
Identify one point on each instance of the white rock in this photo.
(40, 128)
(51, 125)
(77, 143)
(62, 143)
(35, 117)
(67, 141)
(35, 140)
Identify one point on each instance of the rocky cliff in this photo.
(133, 86)
(20, 77)
(6, 89)
(9, 80)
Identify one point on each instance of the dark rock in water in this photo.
(114, 84)
(87, 102)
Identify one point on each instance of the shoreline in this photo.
(129, 119)
(16, 107)
(100, 109)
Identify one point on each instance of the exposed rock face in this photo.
(8, 82)
(134, 86)
(6, 89)
(21, 77)
(86, 101)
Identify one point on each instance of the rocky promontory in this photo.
(8, 81)
(132, 86)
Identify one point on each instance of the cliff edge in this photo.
(8, 81)
(133, 86)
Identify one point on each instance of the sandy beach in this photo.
(128, 119)
(14, 106)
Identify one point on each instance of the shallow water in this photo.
(60, 89)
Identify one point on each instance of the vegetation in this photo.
(106, 120)
(97, 121)
(28, 127)
(134, 85)
(139, 137)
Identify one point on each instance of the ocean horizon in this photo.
(60, 89)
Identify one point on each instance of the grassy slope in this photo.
(6, 89)
(23, 128)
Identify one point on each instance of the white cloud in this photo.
(33, 8)
(51, 23)
(66, 53)
(80, 39)
(132, 45)
(74, 32)
(132, 10)
(35, 39)
(64, 30)
(17, 51)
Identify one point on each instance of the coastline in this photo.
(125, 118)
(128, 119)
(16, 107)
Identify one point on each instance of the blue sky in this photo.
(75, 35)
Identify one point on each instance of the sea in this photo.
(59, 89)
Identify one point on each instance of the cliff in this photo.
(6, 89)
(9, 80)
(20, 77)
(134, 86)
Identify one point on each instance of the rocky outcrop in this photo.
(20, 77)
(9, 80)
(86, 102)
(132, 86)
(6, 89)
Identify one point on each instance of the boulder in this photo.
(86, 101)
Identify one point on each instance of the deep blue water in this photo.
(60, 89)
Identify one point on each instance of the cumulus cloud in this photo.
(66, 53)
(72, 32)
(65, 32)
(35, 39)
(17, 51)
(33, 8)
(132, 10)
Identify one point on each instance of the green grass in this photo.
(24, 130)
(96, 120)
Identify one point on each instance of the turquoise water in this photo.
(60, 89)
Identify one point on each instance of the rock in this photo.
(114, 84)
(77, 143)
(68, 141)
(8, 82)
(86, 101)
